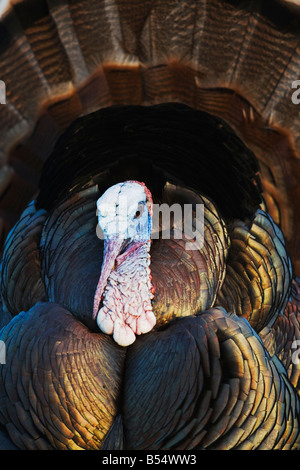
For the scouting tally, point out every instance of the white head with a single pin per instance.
(124, 211)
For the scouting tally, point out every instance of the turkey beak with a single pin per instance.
(112, 248)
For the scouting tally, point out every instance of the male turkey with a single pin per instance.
(159, 102)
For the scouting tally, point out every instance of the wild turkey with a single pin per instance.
(177, 103)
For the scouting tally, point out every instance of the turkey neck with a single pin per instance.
(127, 309)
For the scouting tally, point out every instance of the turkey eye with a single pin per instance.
(139, 211)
